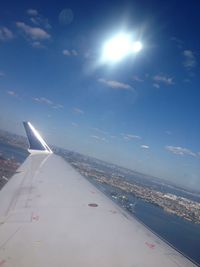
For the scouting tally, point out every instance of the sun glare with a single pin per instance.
(116, 48)
(137, 46)
(119, 47)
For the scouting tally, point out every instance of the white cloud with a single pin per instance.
(95, 137)
(145, 146)
(74, 124)
(180, 150)
(34, 21)
(66, 52)
(38, 19)
(137, 79)
(163, 79)
(99, 131)
(78, 111)
(156, 85)
(41, 21)
(178, 42)
(189, 59)
(98, 138)
(12, 93)
(6, 34)
(46, 101)
(72, 52)
(32, 12)
(131, 137)
(43, 100)
(37, 44)
(58, 106)
(115, 84)
(35, 33)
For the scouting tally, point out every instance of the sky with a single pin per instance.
(141, 112)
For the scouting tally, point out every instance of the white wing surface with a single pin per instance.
(51, 216)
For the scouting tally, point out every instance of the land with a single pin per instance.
(9, 162)
(13, 139)
(8, 167)
(115, 177)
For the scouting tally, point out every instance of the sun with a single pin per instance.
(119, 47)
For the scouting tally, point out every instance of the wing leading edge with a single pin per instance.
(51, 216)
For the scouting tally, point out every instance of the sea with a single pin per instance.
(180, 233)
(8, 151)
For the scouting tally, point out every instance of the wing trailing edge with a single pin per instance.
(36, 142)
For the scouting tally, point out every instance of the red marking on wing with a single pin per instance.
(93, 192)
(2, 262)
(113, 211)
(149, 245)
(35, 217)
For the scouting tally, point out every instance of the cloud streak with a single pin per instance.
(58, 106)
(43, 100)
(37, 44)
(180, 151)
(74, 124)
(163, 79)
(46, 101)
(99, 131)
(137, 79)
(130, 137)
(156, 85)
(78, 111)
(12, 93)
(37, 19)
(115, 84)
(98, 138)
(6, 34)
(69, 53)
(32, 12)
(189, 59)
(178, 42)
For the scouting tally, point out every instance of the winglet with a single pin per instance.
(36, 143)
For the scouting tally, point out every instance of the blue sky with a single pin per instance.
(142, 112)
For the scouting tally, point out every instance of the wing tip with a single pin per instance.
(36, 142)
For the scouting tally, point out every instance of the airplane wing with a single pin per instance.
(52, 216)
